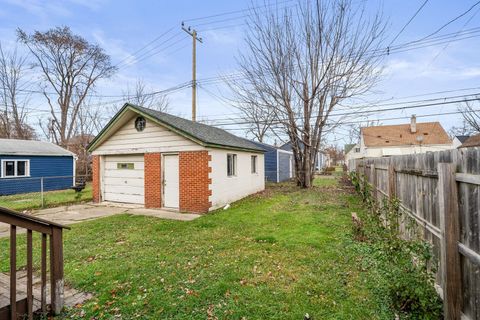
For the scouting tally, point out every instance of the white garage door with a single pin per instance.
(124, 179)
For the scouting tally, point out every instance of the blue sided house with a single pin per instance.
(30, 166)
(319, 161)
(278, 163)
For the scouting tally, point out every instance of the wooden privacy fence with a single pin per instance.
(18, 305)
(440, 192)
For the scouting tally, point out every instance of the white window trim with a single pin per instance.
(256, 164)
(27, 169)
(234, 164)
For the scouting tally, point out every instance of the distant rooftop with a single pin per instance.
(473, 141)
(348, 147)
(427, 133)
(462, 139)
(31, 148)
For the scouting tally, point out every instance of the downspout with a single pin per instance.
(278, 168)
(74, 158)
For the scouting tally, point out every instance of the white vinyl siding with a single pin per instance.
(124, 184)
(154, 138)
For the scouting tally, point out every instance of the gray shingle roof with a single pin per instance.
(264, 146)
(205, 133)
(462, 139)
(31, 147)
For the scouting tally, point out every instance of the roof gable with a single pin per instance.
(348, 147)
(199, 133)
(428, 133)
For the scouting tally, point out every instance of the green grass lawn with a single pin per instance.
(28, 201)
(275, 255)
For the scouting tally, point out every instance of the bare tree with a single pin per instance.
(335, 154)
(13, 118)
(354, 130)
(471, 117)
(302, 62)
(88, 125)
(462, 130)
(143, 96)
(71, 67)
(260, 120)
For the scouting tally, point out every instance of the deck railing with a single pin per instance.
(47, 229)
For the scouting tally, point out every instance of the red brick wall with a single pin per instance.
(194, 182)
(96, 178)
(153, 176)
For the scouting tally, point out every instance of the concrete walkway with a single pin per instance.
(67, 215)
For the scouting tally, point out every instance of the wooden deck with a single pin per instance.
(72, 296)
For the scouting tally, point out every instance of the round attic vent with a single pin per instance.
(140, 123)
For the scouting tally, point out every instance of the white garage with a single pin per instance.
(158, 160)
(123, 179)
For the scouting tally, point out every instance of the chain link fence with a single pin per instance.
(41, 192)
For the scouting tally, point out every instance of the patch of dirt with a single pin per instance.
(346, 184)
(268, 192)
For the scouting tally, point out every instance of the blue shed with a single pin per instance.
(319, 161)
(278, 163)
(30, 166)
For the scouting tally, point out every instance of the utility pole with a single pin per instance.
(193, 33)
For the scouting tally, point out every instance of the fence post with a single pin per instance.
(450, 256)
(392, 181)
(364, 174)
(41, 192)
(373, 181)
(56, 270)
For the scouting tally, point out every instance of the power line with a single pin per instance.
(408, 23)
(368, 111)
(448, 43)
(148, 44)
(238, 114)
(453, 20)
(237, 11)
(151, 52)
(413, 45)
(431, 100)
(376, 120)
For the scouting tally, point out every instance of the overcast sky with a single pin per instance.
(124, 27)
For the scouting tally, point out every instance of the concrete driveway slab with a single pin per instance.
(164, 214)
(67, 215)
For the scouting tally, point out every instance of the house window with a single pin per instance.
(357, 150)
(121, 165)
(231, 164)
(254, 164)
(15, 168)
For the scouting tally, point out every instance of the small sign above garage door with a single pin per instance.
(123, 179)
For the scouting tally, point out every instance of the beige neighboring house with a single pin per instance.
(385, 141)
(352, 152)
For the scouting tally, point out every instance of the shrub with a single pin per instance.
(407, 265)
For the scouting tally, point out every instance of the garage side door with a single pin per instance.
(124, 179)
